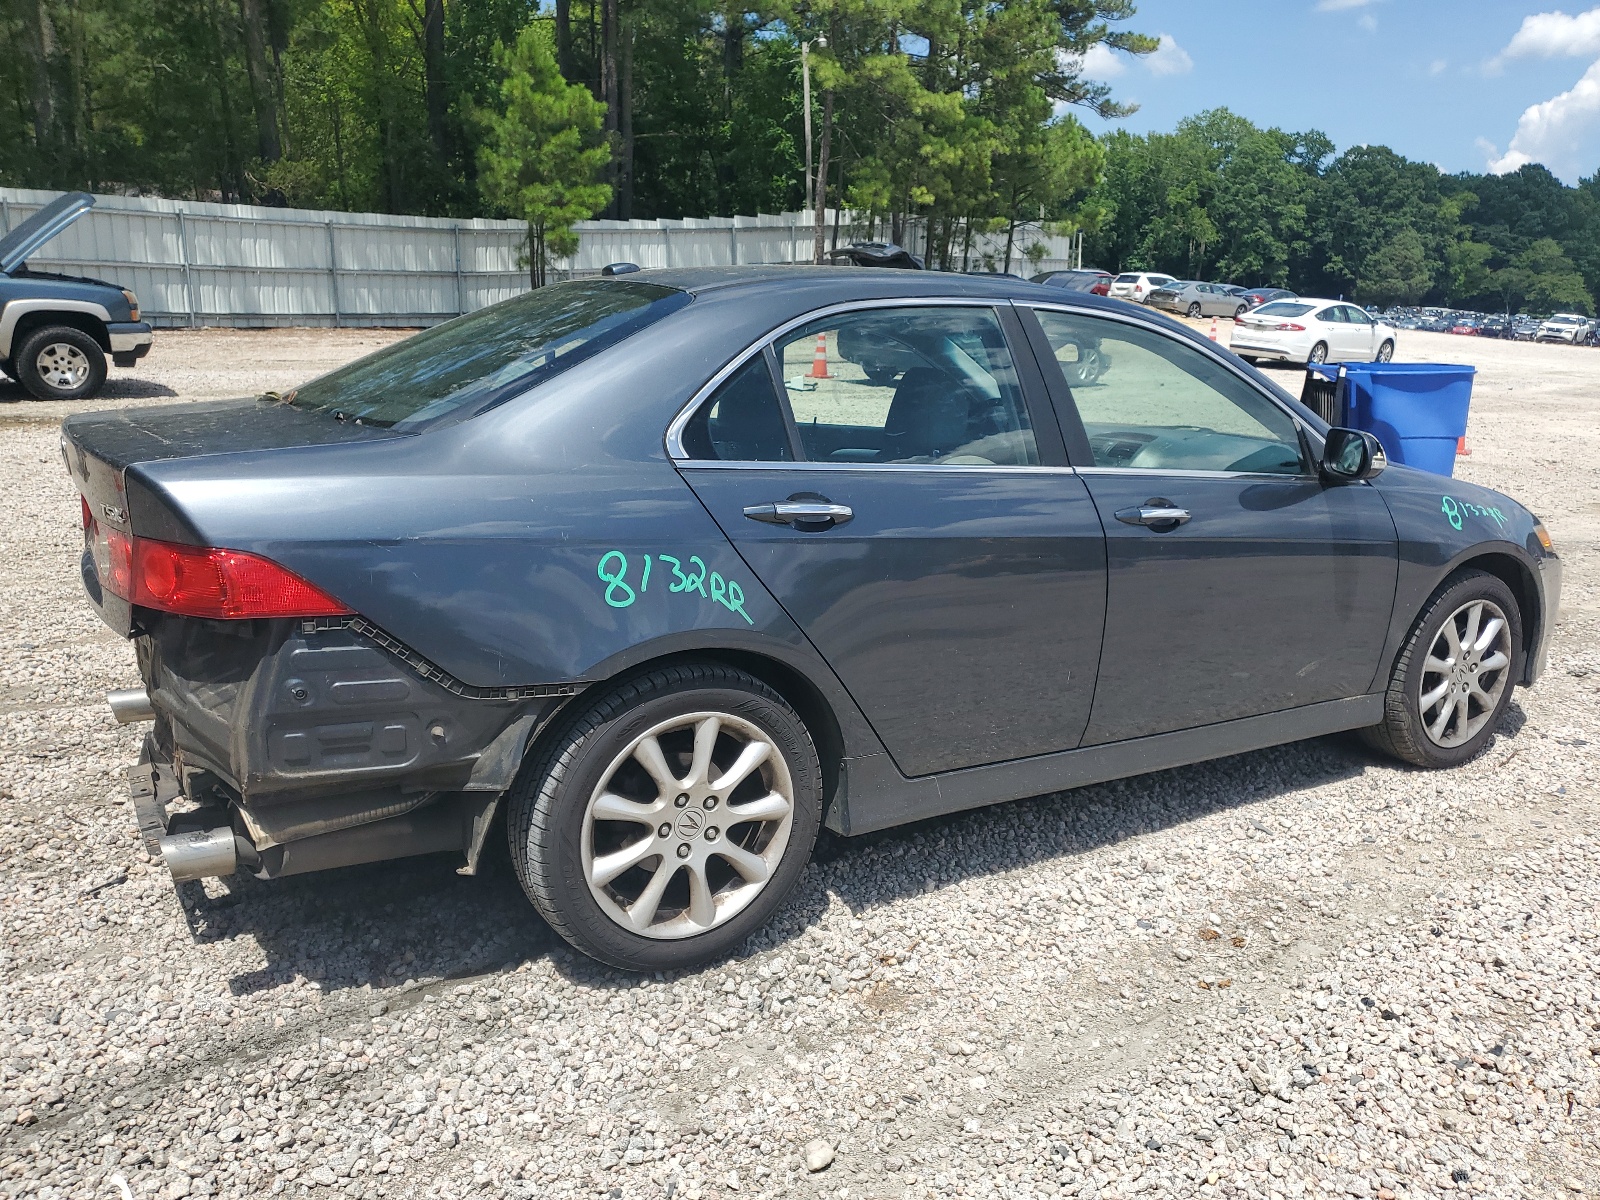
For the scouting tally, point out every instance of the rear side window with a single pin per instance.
(474, 362)
(1282, 308)
(742, 422)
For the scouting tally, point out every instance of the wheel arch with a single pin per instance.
(836, 727)
(1518, 576)
(19, 317)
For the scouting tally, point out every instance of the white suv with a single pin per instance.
(1565, 327)
(1137, 285)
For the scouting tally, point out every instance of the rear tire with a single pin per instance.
(59, 362)
(641, 777)
(1318, 355)
(1251, 359)
(1447, 694)
(1194, 312)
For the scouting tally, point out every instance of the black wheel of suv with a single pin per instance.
(664, 824)
(59, 362)
(1454, 677)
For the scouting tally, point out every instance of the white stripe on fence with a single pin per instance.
(194, 263)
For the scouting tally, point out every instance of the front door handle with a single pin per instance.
(1154, 514)
(800, 512)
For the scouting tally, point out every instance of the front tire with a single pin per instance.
(1386, 352)
(1454, 677)
(665, 823)
(59, 362)
(1240, 311)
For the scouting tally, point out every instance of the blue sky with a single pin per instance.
(1466, 84)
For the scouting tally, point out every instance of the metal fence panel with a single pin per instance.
(195, 263)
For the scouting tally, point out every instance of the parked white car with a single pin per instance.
(1137, 285)
(1564, 327)
(1312, 331)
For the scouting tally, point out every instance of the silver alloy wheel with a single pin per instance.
(1465, 674)
(687, 825)
(62, 366)
(1319, 354)
(1386, 352)
(1089, 367)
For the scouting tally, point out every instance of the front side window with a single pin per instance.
(1150, 402)
(930, 386)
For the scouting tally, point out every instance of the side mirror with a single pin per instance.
(1349, 456)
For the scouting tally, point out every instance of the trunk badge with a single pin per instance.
(117, 516)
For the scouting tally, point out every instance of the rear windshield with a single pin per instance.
(474, 362)
(1284, 308)
(1127, 278)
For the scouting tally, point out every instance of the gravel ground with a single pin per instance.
(1301, 972)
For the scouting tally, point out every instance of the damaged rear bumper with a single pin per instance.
(201, 842)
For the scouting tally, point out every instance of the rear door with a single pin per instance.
(1238, 584)
(884, 474)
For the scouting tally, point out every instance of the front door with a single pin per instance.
(1359, 348)
(1238, 582)
(919, 524)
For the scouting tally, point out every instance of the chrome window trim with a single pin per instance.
(1207, 349)
(674, 438)
(719, 464)
(1185, 473)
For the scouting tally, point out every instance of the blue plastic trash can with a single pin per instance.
(1417, 410)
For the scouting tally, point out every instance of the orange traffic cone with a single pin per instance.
(1213, 329)
(819, 360)
(1461, 447)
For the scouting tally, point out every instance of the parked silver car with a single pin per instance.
(1195, 299)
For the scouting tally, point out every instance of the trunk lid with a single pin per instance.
(104, 452)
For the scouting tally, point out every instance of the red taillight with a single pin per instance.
(84, 500)
(204, 581)
(1289, 327)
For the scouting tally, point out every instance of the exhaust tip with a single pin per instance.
(130, 706)
(200, 853)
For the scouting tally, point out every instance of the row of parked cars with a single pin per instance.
(1190, 297)
(1270, 324)
(1574, 329)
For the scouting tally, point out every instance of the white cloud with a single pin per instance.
(1340, 5)
(1550, 132)
(1368, 22)
(1438, 66)
(1556, 35)
(1105, 64)
(1169, 58)
(1102, 63)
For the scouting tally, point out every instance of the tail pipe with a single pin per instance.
(130, 706)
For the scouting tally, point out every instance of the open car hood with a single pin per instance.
(38, 229)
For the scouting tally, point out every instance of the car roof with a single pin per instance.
(842, 284)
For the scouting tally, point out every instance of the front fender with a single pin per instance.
(1444, 525)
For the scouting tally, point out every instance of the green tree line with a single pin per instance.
(957, 114)
(1222, 198)
(955, 111)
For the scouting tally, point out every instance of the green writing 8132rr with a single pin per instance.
(710, 585)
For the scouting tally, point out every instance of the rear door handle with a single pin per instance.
(800, 512)
(1155, 513)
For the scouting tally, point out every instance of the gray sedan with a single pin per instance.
(1195, 299)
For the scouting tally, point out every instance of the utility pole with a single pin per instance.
(805, 100)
